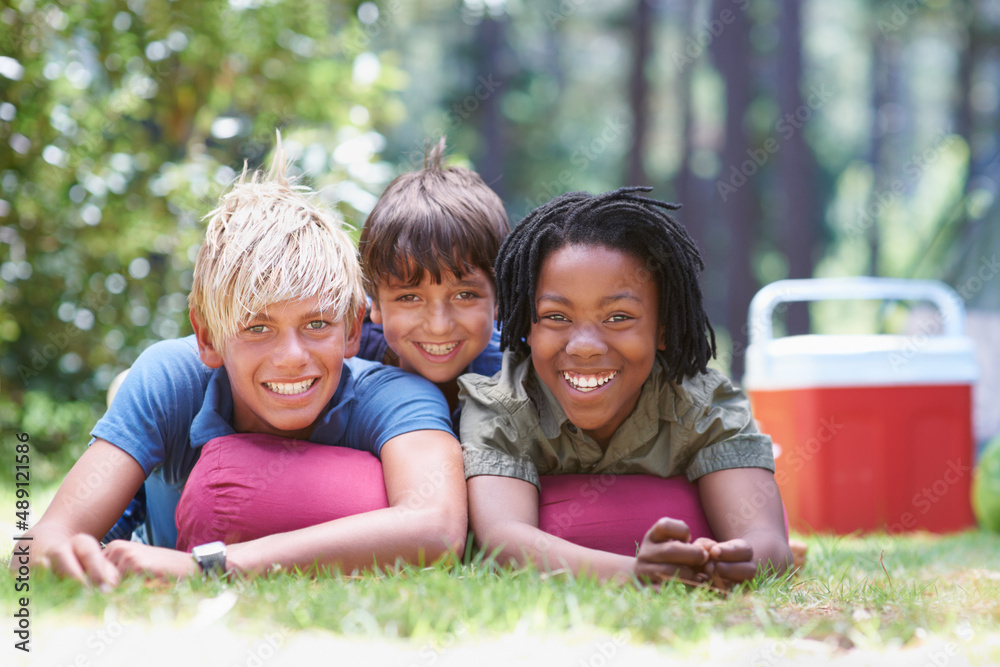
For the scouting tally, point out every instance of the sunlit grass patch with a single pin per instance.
(912, 593)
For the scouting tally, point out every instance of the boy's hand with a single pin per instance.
(667, 552)
(79, 557)
(730, 563)
(155, 562)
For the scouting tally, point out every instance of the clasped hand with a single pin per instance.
(667, 552)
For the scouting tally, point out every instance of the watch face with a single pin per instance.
(211, 557)
(210, 549)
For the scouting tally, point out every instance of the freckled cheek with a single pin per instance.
(487, 328)
(393, 328)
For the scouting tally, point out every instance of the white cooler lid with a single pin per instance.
(813, 361)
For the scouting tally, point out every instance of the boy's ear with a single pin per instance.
(353, 334)
(661, 338)
(376, 312)
(206, 350)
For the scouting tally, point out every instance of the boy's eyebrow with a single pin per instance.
(471, 282)
(464, 282)
(623, 296)
(267, 319)
(606, 301)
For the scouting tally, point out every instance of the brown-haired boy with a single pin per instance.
(427, 252)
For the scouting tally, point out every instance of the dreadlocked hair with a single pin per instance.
(621, 220)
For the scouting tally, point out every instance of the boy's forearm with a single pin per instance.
(358, 542)
(523, 544)
(770, 551)
(510, 526)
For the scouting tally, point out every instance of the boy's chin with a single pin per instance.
(587, 420)
(442, 378)
(437, 374)
(288, 426)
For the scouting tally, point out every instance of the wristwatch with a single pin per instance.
(211, 558)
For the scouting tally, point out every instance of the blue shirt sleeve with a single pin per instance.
(150, 417)
(389, 402)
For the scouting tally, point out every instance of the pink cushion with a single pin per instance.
(249, 485)
(613, 512)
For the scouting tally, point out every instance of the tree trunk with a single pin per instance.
(879, 128)
(490, 165)
(642, 27)
(738, 206)
(692, 192)
(796, 168)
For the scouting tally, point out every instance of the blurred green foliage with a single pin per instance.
(121, 121)
(125, 122)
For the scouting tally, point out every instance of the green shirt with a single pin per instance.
(512, 426)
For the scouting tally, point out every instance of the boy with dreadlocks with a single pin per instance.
(605, 372)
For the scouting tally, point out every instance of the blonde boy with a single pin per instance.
(276, 307)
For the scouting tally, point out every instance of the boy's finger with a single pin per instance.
(733, 551)
(669, 529)
(658, 574)
(65, 564)
(97, 568)
(736, 572)
(675, 553)
(705, 543)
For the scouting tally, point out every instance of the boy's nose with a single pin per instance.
(585, 341)
(290, 352)
(439, 320)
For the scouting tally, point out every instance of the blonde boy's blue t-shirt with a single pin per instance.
(513, 426)
(171, 404)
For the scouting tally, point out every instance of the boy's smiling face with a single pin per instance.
(597, 334)
(437, 329)
(284, 366)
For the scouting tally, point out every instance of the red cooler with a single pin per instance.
(871, 432)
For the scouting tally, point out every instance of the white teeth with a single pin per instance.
(438, 350)
(589, 382)
(290, 388)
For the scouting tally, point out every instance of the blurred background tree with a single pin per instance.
(804, 138)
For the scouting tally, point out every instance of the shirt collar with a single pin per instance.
(215, 418)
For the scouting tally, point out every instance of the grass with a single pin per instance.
(889, 595)
(843, 598)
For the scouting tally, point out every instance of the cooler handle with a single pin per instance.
(947, 300)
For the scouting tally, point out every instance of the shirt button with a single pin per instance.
(572, 428)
